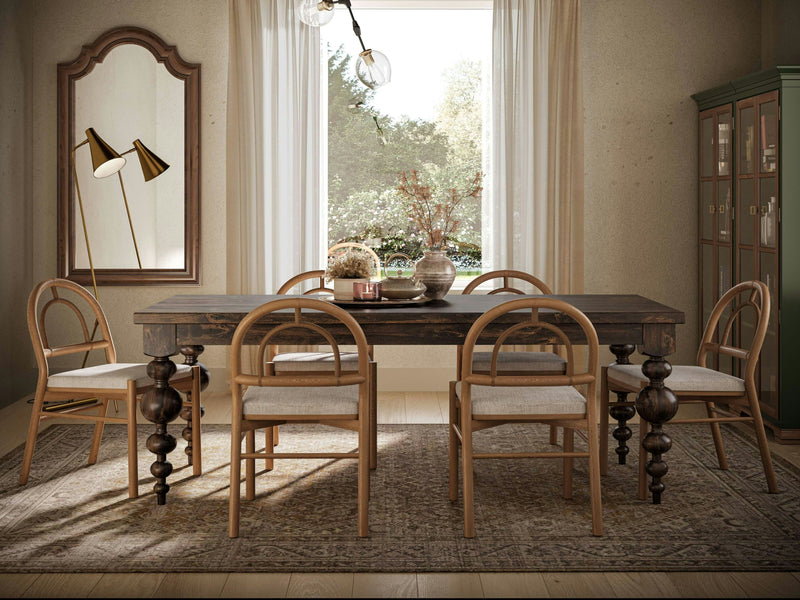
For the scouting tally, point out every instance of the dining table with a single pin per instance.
(185, 324)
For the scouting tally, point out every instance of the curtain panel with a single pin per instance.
(273, 146)
(535, 221)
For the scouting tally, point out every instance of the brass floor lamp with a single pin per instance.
(106, 162)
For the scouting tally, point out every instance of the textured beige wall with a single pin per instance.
(642, 60)
(199, 30)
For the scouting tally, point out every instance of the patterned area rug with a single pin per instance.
(73, 518)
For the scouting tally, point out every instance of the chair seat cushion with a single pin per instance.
(682, 379)
(532, 362)
(529, 400)
(291, 362)
(112, 376)
(330, 400)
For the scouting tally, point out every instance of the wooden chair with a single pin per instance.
(520, 363)
(110, 381)
(337, 398)
(703, 385)
(483, 400)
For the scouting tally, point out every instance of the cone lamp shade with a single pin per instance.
(152, 165)
(105, 160)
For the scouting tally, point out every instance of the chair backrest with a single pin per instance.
(37, 314)
(548, 330)
(264, 374)
(506, 275)
(320, 288)
(717, 338)
(342, 248)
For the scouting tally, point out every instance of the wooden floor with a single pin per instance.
(394, 408)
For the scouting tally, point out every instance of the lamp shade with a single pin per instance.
(373, 69)
(105, 160)
(314, 13)
(152, 165)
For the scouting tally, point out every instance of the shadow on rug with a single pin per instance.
(73, 518)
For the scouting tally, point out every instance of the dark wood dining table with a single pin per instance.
(187, 323)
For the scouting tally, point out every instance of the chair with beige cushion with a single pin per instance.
(748, 304)
(264, 399)
(511, 362)
(483, 400)
(110, 381)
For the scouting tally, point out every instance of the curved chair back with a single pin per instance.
(506, 275)
(320, 288)
(36, 323)
(547, 330)
(717, 338)
(264, 373)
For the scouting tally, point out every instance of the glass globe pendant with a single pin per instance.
(314, 13)
(373, 69)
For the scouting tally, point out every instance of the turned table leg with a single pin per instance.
(192, 442)
(656, 404)
(620, 411)
(161, 404)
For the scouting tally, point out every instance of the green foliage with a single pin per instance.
(363, 174)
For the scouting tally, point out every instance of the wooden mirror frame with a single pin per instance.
(68, 74)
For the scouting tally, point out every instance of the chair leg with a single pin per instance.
(716, 434)
(33, 429)
(133, 446)
(467, 475)
(364, 459)
(250, 464)
(553, 435)
(453, 444)
(594, 479)
(644, 427)
(763, 444)
(197, 455)
(569, 446)
(373, 414)
(270, 447)
(94, 451)
(236, 475)
(603, 438)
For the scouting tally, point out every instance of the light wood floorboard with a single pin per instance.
(127, 585)
(577, 585)
(768, 585)
(450, 585)
(320, 585)
(707, 585)
(13, 585)
(514, 585)
(385, 585)
(191, 585)
(62, 585)
(256, 585)
(423, 407)
(642, 585)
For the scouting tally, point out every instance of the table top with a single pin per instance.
(600, 308)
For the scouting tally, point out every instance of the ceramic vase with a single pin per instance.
(343, 288)
(437, 272)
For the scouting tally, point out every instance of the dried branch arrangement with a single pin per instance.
(350, 265)
(436, 219)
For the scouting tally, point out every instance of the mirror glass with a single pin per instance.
(142, 99)
(129, 86)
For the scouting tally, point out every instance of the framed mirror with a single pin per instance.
(137, 225)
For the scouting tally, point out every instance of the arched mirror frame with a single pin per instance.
(68, 74)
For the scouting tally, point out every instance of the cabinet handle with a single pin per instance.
(721, 208)
(753, 209)
(712, 209)
(764, 209)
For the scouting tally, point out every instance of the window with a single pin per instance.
(432, 118)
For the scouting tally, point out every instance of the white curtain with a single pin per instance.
(273, 146)
(535, 222)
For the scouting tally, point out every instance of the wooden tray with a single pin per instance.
(382, 303)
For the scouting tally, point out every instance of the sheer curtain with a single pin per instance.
(273, 146)
(535, 222)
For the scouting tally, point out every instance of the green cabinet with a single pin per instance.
(749, 221)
